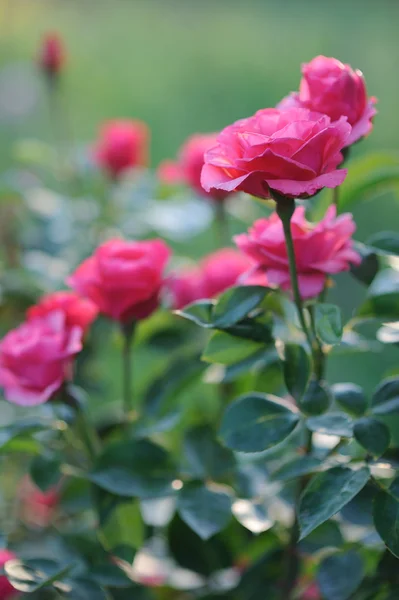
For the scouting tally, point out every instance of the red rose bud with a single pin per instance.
(52, 54)
(7, 591)
(187, 169)
(123, 278)
(122, 145)
(331, 87)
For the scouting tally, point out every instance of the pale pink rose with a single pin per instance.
(123, 278)
(294, 152)
(321, 249)
(78, 311)
(37, 508)
(187, 169)
(122, 144)
(36, 358)
(331, 87)
(7, 591)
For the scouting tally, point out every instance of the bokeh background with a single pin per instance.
(196, 65)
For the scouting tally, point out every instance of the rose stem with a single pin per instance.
(222, 225)
(128, 330)
(335, 193)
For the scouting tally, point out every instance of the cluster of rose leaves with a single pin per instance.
(293, 151)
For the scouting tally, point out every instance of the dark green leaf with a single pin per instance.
(328, 323)
(385, 400)
(385, 241)
(373, 435)
(327, 493)
(317, 398)
(227, 349)
(334, 423)
(124, 527)
(257, 362)
(45, 471)
(30, 576)
(302, 465)
(86, 589)
(199, 312)
(386, 516)
(255, 422)
(382, 296)
(326, 535)
(205, 456)
(257, 330)
(369, 266)
(205, 510)
(340, 575)
(297, 369)
(235, 304)
(351, 398)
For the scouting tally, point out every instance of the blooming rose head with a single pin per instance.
(294, 152)
(189, 166)
(36, 358)
(7, 591)
(52, 54)
(184, 287)
(78, 311)
(123, 278)
(331, 87)
(122, 145)
(37, 507)
(321, 249)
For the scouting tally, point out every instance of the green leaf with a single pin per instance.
(253, 515)
(199, 312)
(385, 400)
(302, 465)
(326, 535)
(83, 588)
(124, 527)
(386, 516)
(227, 349)
(206, 457)
(257, 330)
(327, 493)
(204, 509)
(110, 575)
(334, 423)
(255, 422)
(351, 398)
(385, 241)
(45, 471)
(317, 398)
(236, 303)
(328, 323)
(297, 368)
(134, 469)
(382, 296)
(340, 575)
(373, 435)
(369, 266)
(33, 575)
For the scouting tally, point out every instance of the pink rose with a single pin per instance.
(52, 54)
(331, 87)
(189, 166)
(36, 358)
(312, 592)
(294, 152)
(78, 311)
(37, 507)
(7, 591)
(122, 145)
(216, 273)
(321, 249)
(123, 278)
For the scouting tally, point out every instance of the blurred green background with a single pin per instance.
(196, 65)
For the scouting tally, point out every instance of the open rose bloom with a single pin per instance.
(295, 152)
(123, 278)
(122, 144)
(321, 249)
(187, 169)
(78, 311)
(36, 358)
(331, 87)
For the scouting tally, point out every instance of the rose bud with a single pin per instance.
(123, 278)
(7, 591)
(37, 507)
(78, 311)
(52, 55)
(294, 152)
(122, 145)
(321, 249)
(331, 87)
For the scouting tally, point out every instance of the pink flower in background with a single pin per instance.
(7, 591)
(123, 278)
(52, 54)
(216, 273)
(123, 144)
(331, 87)
(295, 152)
(78, 311)
(189, 166)
(36, 358)
(37, 508)
(321, 249)
(312, 592)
